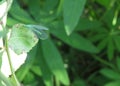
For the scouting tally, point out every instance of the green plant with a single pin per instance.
(82, 47)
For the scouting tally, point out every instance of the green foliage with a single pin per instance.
(72, 11)
(54, 61)
(82, 48)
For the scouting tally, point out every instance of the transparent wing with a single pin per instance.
(40, 31)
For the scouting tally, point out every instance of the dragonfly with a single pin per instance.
(39, 30)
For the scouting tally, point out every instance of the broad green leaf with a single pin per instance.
(111, 74)
(114, 83)
(54, 61)
(23, 70)
(74, 40)
(18, 13)
(72, 12)
(11, 21)
(22, 39)
(46, 73)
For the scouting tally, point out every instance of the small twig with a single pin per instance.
(5, 42)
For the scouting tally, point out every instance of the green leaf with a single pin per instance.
(72, 12)
(111, 74)
(110, 50)
(45, 10)
(18, 13)
(11, 21)
(102, 44)
(106, 3)
(79, 82)
(36, 69)
(54, 61)
(46, 73)
(114, 83)
(74, 40)
(86, 24)
(22, 39)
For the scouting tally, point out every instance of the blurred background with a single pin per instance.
(83, 44)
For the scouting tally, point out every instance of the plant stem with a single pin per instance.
(5, 42)
(10, 63)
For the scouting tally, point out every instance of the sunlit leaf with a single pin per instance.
(72, 12)
(54, 61)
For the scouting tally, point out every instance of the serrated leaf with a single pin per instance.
(22, 39)
(71, 17)
(54, 61)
